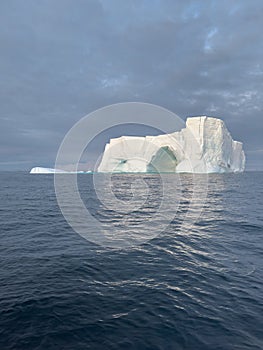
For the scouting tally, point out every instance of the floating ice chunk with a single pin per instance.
(40, 170)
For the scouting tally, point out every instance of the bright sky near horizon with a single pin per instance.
(60, 60)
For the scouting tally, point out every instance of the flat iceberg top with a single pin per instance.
(203, 146)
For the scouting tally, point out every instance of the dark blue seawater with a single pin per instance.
(197, 289)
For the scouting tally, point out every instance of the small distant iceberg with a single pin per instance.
(41, 170)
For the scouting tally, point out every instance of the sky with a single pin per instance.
(62, 59)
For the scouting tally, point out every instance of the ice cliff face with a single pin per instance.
(204, 146)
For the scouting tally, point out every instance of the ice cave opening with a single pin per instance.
(164, 161)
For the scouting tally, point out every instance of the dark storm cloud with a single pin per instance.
(62, 59)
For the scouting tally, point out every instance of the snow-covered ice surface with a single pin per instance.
(203, 146)
(41, 170)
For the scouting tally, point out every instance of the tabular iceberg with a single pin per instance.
(203, 146)
(41, 170)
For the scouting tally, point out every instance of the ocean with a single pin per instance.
(195, 286)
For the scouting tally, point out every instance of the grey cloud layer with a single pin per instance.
(62, 59)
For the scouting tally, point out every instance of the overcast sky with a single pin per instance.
(61, 59)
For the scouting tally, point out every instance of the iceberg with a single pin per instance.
(40, 170)
(203, 146)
